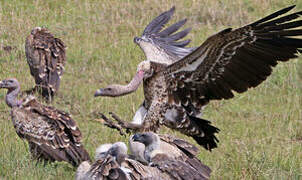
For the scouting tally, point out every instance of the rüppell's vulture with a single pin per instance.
(112, 162)
(46, 59)
(52, 134)
(173, 156)
(233, 60)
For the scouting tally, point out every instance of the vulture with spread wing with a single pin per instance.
(46, 59)
(233, 60)
(112, 162)
(52, 134)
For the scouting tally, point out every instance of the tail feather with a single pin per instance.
(72, 154)
(208, 140)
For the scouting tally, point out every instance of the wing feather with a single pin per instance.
(234, 60)
(46, 58)
(54, 132)
(168, 39)
(158, 23)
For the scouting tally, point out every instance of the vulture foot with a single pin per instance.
(109, 123)
(124, 124)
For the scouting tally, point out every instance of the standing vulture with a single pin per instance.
(233, 60)
(52, 134)
(46, 59)
(173, 156)
(112, 162)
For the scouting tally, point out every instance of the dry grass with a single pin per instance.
(261, 130)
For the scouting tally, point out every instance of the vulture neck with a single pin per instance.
(150, 149)
(11, 97)
(132, 86)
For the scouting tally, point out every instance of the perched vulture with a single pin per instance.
(46, 59)
(112, 162)
(233, 60)
(52, 134)
(175, 157)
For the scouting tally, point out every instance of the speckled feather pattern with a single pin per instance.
(52, 132)
(46, 58)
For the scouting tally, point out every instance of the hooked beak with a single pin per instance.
(98, 92)
(136, 137)
(1, 84)
(137, 40)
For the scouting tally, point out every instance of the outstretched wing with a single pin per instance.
(234, 60)
(54, 131)
(168, 39)
(46, 58)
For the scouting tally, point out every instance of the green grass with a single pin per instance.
(261, 130)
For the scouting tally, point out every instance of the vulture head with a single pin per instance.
(35, 30)
(118, 148)
(151, 142)
(147, 138)
(101, 151)
(112, 90)
(137, 150)
(82, 170)
(10, 84)
(115, 90)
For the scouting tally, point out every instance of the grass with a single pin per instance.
(261, 130)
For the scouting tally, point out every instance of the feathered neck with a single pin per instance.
(11, 97)
(154, 146)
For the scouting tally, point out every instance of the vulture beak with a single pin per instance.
(136, 137)
(1, 84)
(137, 39)
(98, 92)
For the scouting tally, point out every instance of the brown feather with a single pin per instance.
(49, 133)
(46, 59)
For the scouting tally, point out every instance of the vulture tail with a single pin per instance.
(72, 154)
(207, 139)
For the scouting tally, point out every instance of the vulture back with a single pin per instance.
(52, 134)
(46, 59)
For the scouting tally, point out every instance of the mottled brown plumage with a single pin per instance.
(46, 59)
(231, 60)
(52, 134)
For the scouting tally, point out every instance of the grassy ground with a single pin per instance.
(261, 130)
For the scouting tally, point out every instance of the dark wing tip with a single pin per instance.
(273, 15)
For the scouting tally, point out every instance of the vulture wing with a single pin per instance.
(140, 171)
(177, 169)
(189, 149)
(46, 58)
(234, 60)
(168, 39)
(106, 168)
(52, 134)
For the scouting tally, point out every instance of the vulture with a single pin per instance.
(173, 156)
(52, 134)
(46, 59)
(179, 82)
(112, 162)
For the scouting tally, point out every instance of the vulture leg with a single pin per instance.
(124, 124)
(107, 122)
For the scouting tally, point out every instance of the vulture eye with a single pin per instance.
(109, 89)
